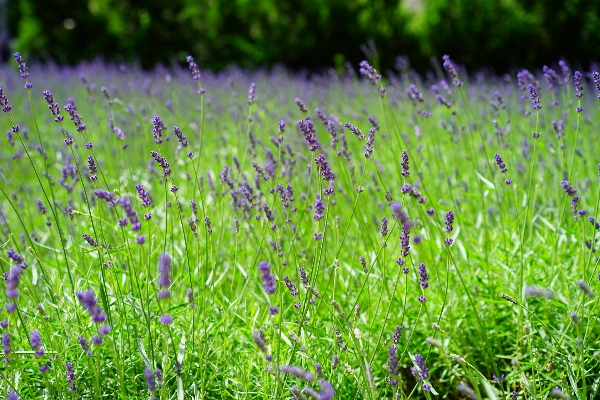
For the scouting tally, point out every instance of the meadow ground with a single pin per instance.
(177, 234)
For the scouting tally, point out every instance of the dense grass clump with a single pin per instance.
(262, 235)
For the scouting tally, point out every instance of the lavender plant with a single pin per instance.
(298, 256)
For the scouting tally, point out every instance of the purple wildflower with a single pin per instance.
(268, 279)
(17, 258)
(165, 319)
(420, 370)
(300, 105)
(251, 91)
(324, 168)
(164, 280)
(384, 226)
(36, 343)
(404, 164)
(260, 340)
(150, 381)
(319, 209)
(12, 284)
(106, 196)
(88, 300)
(578, 76)
(75, 117)
(70, 376)
(131, 214)
(414, 94)
(585, 288)
(423, 277)
(307, 128)
(326, 392)
(397, 334)
(6, 347)
(12, 395)
(193, 67)
(568, 188)
(534, 97)
(4, 101)
(596, 76)
(500, 163)
(182, 139)
(160, 160)
(144, 195)
(92, 168)
(84, 344)
(22, 66)
(393, 364)
(297, 372)
(559, 394)
(449, 67)
(467, 391)
(157, 129)
(449, 221)
(355, 130)
(369, 72)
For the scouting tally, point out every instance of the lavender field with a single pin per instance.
(181, 234)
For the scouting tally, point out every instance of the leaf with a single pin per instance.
(181, 352)
(143, 353)
(488, 183)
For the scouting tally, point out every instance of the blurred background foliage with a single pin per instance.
(312, 34)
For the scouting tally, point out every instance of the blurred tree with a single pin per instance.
(308, 33)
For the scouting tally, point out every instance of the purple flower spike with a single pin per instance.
(319, 209)
(297, 372)
(182, 139)
(4, 101)
(500, 163)
(88, 300)
(157, 129)
(369, 72)
(150, 381)
(467, 391)
(12, 284)
(70, 376)
(12, 396)
(164, 280)
(268, 279)
(6, 346)
(133, 218)
(393, 364)
(36, 343)
(420, 371)
(449, 67)
(449, 221)
(22, 66)
(534, 97)
(193, 67)
(404, 164)
(578, 76)
(144, 196)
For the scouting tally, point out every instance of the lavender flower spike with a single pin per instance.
(585, 288)
(22, 66)
(12, 283)
(449, 67)
(88, 300)
(70, 376)
(467, 391)
(164, 280)
(297, 372)
(534, 97)
(268, 279)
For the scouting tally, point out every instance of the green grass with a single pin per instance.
(481, 317)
